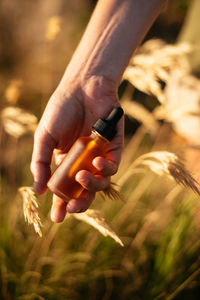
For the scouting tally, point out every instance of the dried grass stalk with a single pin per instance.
(53, 28)
(30, 208)
(167, 163)
(17, 121)
(92, 217)
(182, 105)
(153, 63)
(111, 192)
(95, 219)
(13, 91)
(144, 81)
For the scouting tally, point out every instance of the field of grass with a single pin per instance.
(158, 219)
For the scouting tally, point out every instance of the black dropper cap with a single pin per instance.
(106, 127)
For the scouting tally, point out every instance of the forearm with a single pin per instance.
(115, 30)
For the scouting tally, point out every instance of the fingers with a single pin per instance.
(90, 182)
(94, 183)
(58, 209)
(43, 148)
(80, 204)
(104, 166)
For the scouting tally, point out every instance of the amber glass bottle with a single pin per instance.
(80, 157)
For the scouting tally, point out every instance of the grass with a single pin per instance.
(158, 227)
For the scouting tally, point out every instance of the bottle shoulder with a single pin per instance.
(84, 140)
(94, 137)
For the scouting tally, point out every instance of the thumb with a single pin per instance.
(43, 147)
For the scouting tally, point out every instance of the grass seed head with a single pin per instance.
(167, 163)
(17, 121)
(53, 28)
(111, 192)
(95, 219)
(30, 208)
(153, 63)
(13, 91)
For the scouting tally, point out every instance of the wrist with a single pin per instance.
(95, 89)
(100, 93)
(113, 33)
(99, 87)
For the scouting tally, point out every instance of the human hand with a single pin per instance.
(70, 113)
(100, 60)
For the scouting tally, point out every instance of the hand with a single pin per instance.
(103, 52)
(72, 110)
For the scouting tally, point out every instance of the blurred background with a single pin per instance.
(158, 221)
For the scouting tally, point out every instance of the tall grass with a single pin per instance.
(158, 221)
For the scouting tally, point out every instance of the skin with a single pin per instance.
(87, 92)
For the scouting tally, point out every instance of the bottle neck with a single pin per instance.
(98, 137)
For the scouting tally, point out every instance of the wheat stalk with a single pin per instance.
(153, 63)
(30, 208)
(182, 108)
(13, 91)
(167, 163)
(53, 28)
(111, 192)
(17, 121)
(96, 220)
(92, 217)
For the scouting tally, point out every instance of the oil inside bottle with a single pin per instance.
(80, 157)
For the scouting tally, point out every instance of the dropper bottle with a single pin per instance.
(80, 156)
